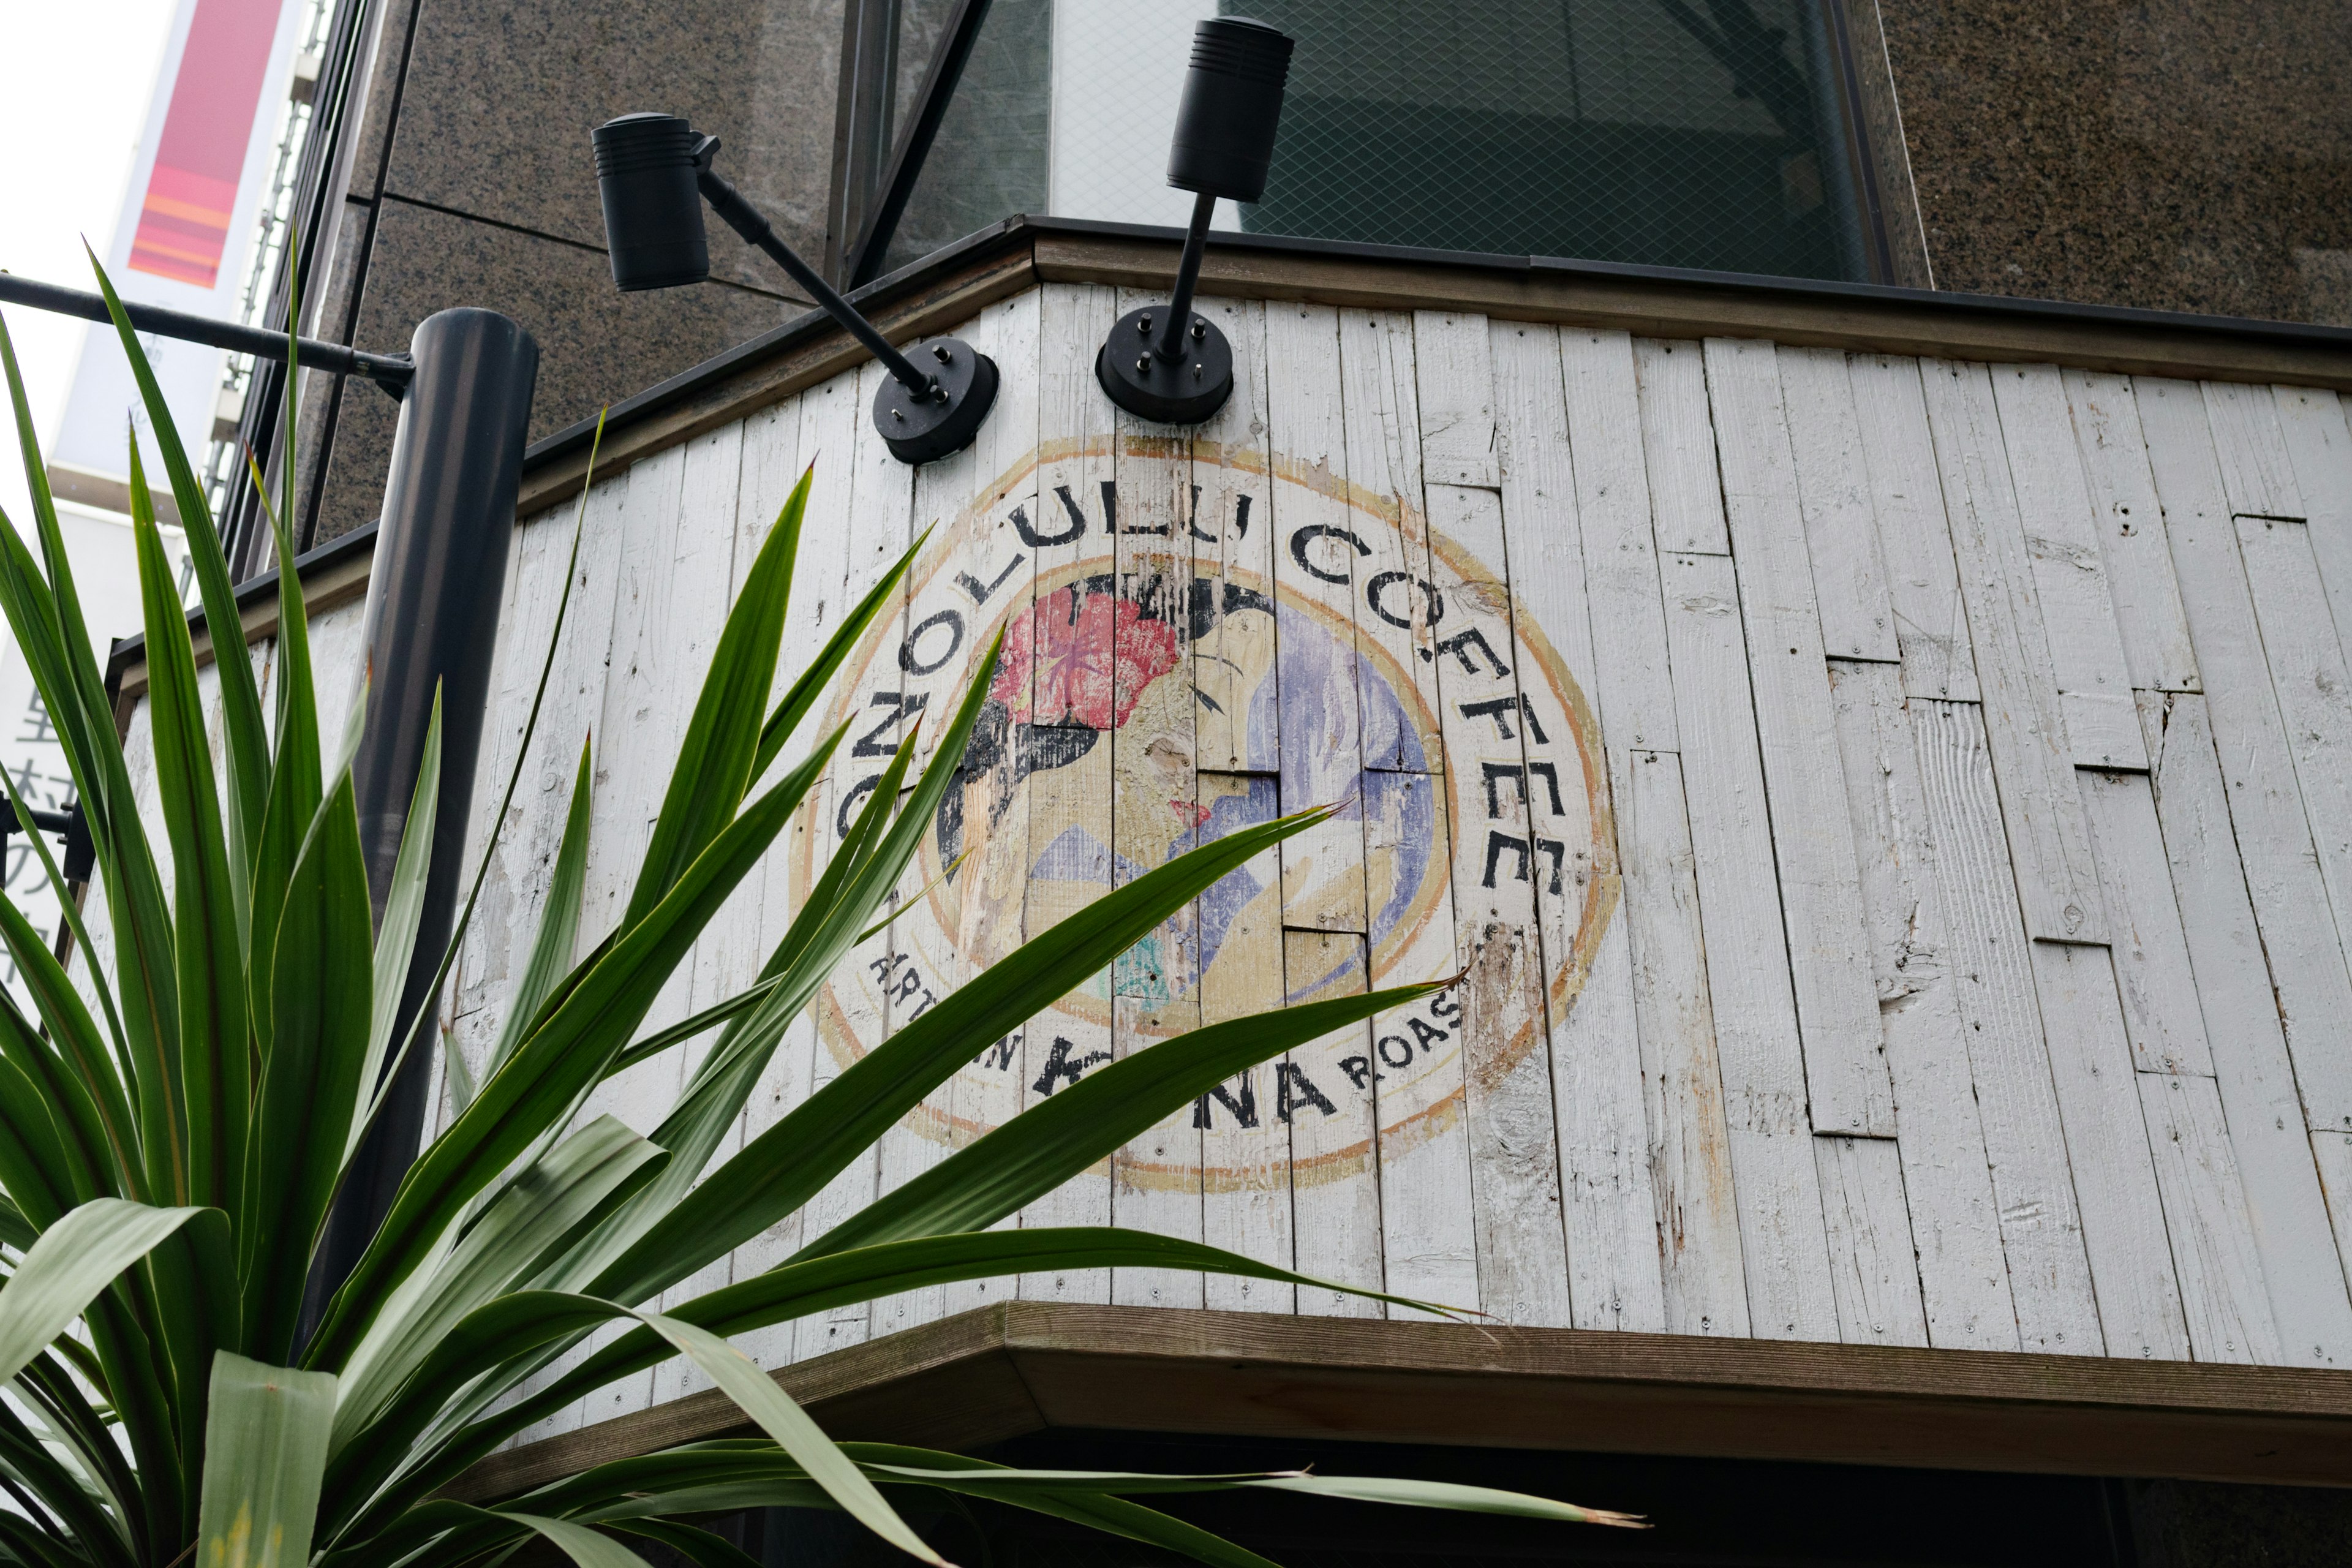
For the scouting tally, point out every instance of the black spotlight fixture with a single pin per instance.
(653, 173)
(1165, 363)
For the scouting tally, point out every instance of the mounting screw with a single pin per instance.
(1143, 325)
(1196, 370)
(1200, 329)
(896, 415)
(1143, 364)
(939, 351)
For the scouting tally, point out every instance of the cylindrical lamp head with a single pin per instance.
(653, 211)
(1231, 107)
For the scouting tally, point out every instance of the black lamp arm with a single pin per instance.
(1169, 343)
(745, 219)
(390, 372)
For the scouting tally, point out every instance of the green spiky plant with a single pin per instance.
(169, 1160)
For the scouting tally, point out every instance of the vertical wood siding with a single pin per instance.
(1889, 819)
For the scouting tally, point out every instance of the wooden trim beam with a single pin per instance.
(334, 574)
(1692, 306)
(1027, 1366)
(943, 289)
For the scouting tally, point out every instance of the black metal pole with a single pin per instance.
(745, 219)
(432, 621)
(1171, 345)
(390, 372)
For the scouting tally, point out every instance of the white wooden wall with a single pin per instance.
(1954, 953)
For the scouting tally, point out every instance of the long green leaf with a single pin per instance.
(714, 759)
(800, 1290)
(81, 1052)
(87, 1165)
(802, 698)
(538, 1088)
(765, 1402)
(1042, 1147)
(1114, 1515)
(123, 1331)
(74, 1260)
(263, 1464)
(788, 1164)
(311, 1080)
(64, 1464)
(698, 1547)
(586, 1547)
(245, 735)
(127, 1070)
(16, 1230)
(536, 1216)
(559, 920)
(46, 617)
(403, 907)
(216, 1054)
(1449, 1495)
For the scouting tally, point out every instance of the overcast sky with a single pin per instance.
(75, 79)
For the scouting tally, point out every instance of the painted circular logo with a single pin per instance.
(1198, 639)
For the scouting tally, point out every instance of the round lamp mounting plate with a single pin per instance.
(1186, 390)
(923, 428)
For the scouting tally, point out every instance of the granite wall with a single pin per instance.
(2176, 154)
(471, 182)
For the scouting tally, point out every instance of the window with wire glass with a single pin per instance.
(1695, 133)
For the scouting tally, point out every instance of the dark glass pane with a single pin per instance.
(989, 160)
(1652, 131)
(1701, 133)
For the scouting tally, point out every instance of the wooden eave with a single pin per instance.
(1019, 1367)
(952, 284)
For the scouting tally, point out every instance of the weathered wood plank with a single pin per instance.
(2314, 687)
(867, 508)
(1458, 401)
(1428, 1212)
(2252, 1063)
(989, 1093)
(572, 712)
(1393, 605)
(1315, 565)
(1857, 617)
(2130, 526)
(2062, 541)
(724, 956)
(1070, 812)
(2257, 472)
(1678, 447)
(1810, 828)
(1931, 626)
(1698, 1224)
(2265, 812)
(1784, 1247)
(1245, 1198)
(1876, 1274)
(2312, 422)
(2221, 1286)
(1612, 1223)
(1631, 678)
(2107, 1146)
(1948, 1183)
(2159, 992)
(2041, 1225)
(1334, 1158)
(1509, 1154)
(1155, 1177)
(771, 467)
(2050, 846)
